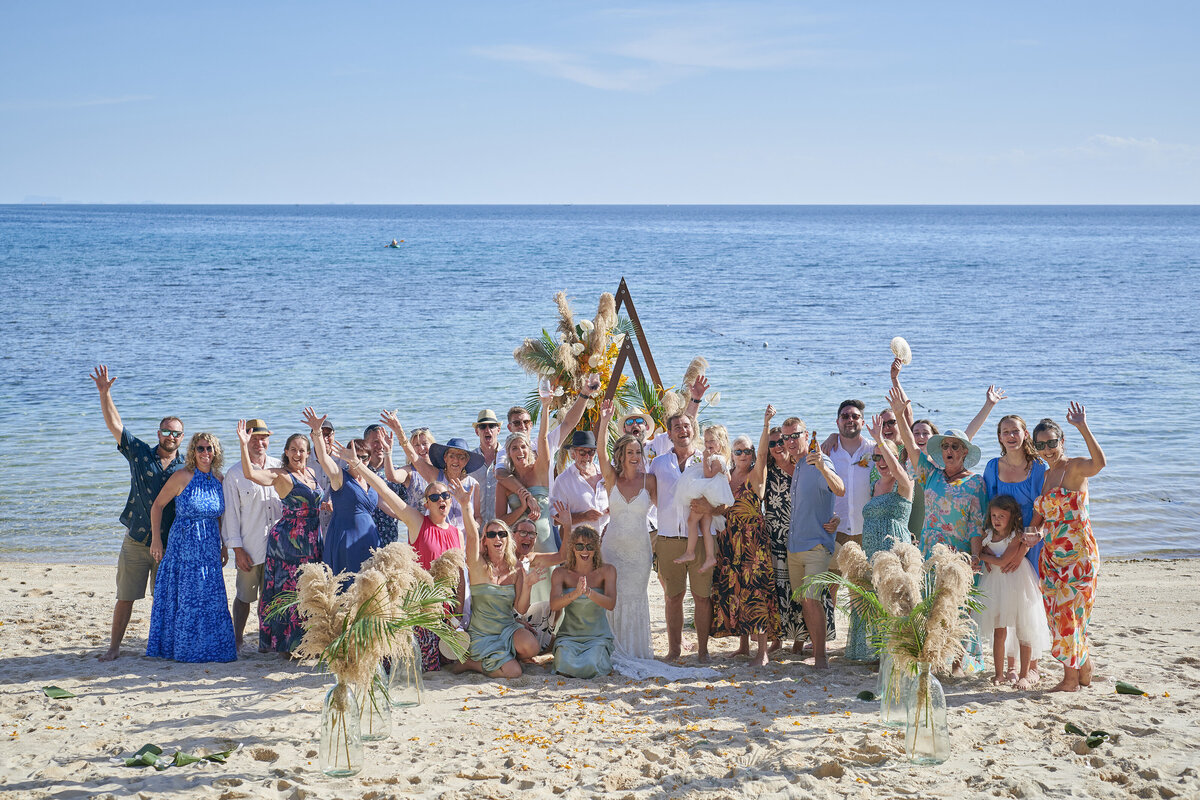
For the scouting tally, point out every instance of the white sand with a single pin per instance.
(784, 731)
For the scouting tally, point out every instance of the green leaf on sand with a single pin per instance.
(148, 748)
(182, 758)
(148, 756)
(1097, 738)
(867, 695)
(55, 693)
(1128, 688)
(1071, 727)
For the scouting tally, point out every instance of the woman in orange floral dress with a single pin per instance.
(1070, 557)
(743, 591)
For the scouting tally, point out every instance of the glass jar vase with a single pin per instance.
(405, 684)
(341, 750)
(927, 735)
(377, 709)
(893, 692)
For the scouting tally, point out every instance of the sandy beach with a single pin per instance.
(785, 731)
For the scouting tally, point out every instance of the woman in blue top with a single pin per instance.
(1018, 473)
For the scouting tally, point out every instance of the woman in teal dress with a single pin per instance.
(523, 491)
(584, 590)
(499, 642)
(885, 522)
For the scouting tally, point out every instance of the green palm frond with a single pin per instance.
(625, 327)
(536, 355)
(281, 604)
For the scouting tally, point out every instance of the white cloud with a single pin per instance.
(657, 46)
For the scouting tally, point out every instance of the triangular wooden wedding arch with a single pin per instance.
(627, 352)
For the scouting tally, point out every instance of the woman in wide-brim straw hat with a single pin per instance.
(955, 497)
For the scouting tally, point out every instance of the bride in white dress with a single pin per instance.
(626, 545)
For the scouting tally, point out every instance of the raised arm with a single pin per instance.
(171, 489)
(423, 467)
(994, 395)
(908, 412)
(1085, 467)
(263, 477)
(323, 457)
(758, 475)
(904, 484)
(575, 413)
(606, 467)
(111, 418)
(392, 504)
(470, 532)
(698, 390)
(542, 465)
(896, 400)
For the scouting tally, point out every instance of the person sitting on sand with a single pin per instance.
(149, 469)
(584, 590)
(499, 586)
(539, 618)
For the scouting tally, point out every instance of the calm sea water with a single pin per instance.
(215, 313)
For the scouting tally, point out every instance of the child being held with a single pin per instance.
(1013, 600)
(708, 479)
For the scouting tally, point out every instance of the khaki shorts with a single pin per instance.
(135, 568)
(249, 584)
(806, 564)
(675, 577)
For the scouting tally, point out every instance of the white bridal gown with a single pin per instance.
(626, 546)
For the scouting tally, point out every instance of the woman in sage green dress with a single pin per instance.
(499, 586)
(524, 492)
(885, 522)
(585, 590)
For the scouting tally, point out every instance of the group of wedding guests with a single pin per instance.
(559, 555)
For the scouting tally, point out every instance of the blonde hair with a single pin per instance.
(218, 453)
(721, 434)
(589, 533)
(618, 452)
(513, 439)
(510, 546)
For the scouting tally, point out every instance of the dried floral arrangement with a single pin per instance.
(350, 629)
(918, 611)
(589, 347)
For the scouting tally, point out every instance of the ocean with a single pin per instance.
(212, 313)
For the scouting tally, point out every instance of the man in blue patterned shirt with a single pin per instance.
(149, 468)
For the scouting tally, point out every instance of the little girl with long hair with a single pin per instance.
(708, 479)
(1013, 600)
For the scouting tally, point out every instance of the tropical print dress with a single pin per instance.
(1068, 569)
(743, 590)
(293, 541)
(778, 516)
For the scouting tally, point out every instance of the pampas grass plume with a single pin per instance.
(566, 319)
(901, 350)
(606, 318)
(852, 563)
(695, 369)
(448, 567)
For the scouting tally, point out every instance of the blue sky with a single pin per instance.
(586, 102)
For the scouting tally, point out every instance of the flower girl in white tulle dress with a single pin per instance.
(709, 479)
(1013, 600)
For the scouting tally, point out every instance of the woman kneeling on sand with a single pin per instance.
(499, 586)
(587, 589)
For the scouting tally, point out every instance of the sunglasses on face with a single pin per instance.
(791, 437)
(585, 451)
(889, 423)
(582, 546)
(635, 421)
(876, 457)
(172, 434)
(496, 535)
(438, 496)
(1049, 444)
(952, 446)
(850, 416)
(523, 532)
(743, 451)
(205, 448)
(774, 442)
(522, 423)
(488, 426)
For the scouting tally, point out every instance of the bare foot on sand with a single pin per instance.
(776, 644)
(111, 654)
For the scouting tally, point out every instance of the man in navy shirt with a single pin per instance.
(149, 468)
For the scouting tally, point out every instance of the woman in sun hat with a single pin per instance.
(955, 498)
(444, 462)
